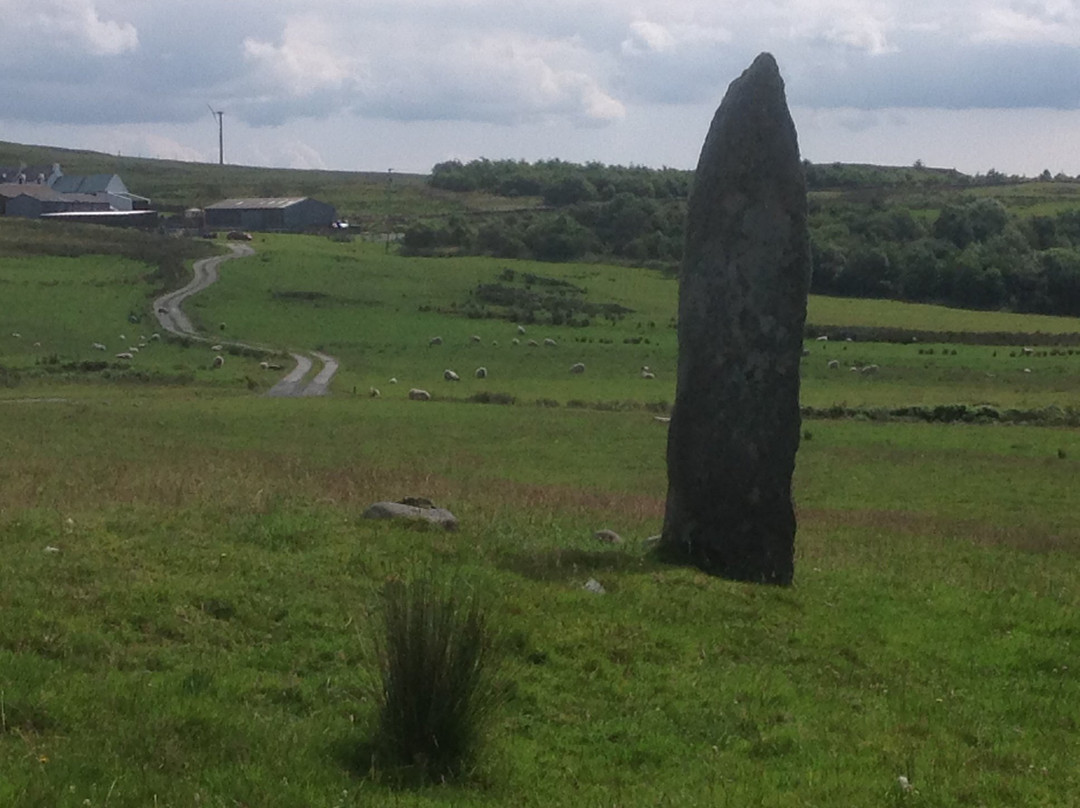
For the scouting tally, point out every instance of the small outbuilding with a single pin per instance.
(282, 213)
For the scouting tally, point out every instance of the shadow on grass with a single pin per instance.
(560, 564)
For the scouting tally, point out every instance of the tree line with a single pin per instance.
(915, 234)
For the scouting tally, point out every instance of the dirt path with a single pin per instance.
(172, 319)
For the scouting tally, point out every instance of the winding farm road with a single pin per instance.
(172, 319)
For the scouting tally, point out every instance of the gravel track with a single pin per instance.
(172, 319)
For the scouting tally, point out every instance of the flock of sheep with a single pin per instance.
(481, 372)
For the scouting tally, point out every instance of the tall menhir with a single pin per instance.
(742, 305)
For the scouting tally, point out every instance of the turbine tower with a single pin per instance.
(220, 133)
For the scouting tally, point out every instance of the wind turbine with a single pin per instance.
(220, 133)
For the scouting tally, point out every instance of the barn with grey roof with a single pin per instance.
(278, 213)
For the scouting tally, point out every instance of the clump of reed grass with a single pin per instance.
(435, 658)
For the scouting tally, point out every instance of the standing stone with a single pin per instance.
(742, 306)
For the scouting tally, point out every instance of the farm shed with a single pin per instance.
(284, 213)
(105, 187)
(32, 200)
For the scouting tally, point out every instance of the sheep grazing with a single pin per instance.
(37, 344)
(416, 394)
(1027, 351)
(515, 341)
(834, 364)
(264, 365)
(494, 343)
(374, 392)
(133, 348)
(155, 337)
(550, 342)
(521, 329)
(215, 348)
(533, 343)
(97, 346)
(481, 373)
(273, 366)
(868, 369)
(16, 335)
(124, 355)
(219, 360)
(577, 367)
(475, 338)
(647, 374)
(393, 380)
(450, 376)
(434, 341)
(823, 338)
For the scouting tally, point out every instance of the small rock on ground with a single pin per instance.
(607, 536)
(398, 510)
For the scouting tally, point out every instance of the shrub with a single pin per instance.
(435, 660)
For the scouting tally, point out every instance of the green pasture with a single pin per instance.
(202, 631)
(190, 593)
(377, 312)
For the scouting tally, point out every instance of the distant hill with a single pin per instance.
(174, 185)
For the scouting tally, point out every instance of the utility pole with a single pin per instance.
(389, 202)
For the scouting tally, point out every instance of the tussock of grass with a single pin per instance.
(435, 658)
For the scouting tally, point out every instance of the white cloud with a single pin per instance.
(68, 23)
(309, 57)
(1054, 22)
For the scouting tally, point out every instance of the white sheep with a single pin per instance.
(97, 346)
(219, 360)
(550, 342)
(577, 367)
(823, 338)
(533, 343)
(133, 348)
(215, 348)
(374, 392)
(264, 365)
(869, 369)
(393, 380)
(416, 394)
(647, 374)
(481, 373)
(475, 338)
(434, 341)
(450, 376)
(273, 366)
(16, 335)
(155, 337)
(515, 341)
(124, 355)
(521, 329)
(834, 364)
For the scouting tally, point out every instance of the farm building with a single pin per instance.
(284, 213)
(106, 187)
(33, 191)
(32, 200)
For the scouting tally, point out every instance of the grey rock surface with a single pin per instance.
(398, 510)
(735, 425)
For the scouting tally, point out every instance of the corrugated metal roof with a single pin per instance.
(269, 203)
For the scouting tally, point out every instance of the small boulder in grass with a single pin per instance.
(401, 510)
(608, 536)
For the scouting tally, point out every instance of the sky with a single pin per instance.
(375, 85)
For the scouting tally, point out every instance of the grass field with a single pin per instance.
(189, 592)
